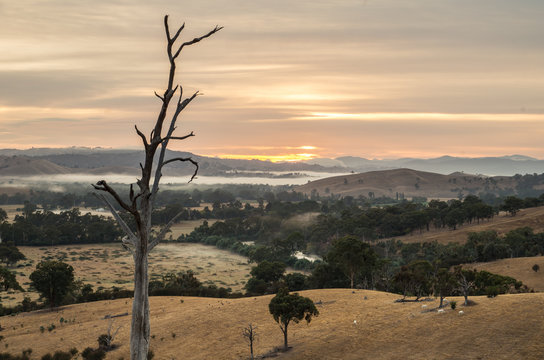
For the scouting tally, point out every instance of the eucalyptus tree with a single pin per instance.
(140, 200)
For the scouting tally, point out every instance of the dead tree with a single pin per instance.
(140, 203)
(250, 334)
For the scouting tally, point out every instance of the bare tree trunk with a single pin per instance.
(140, 204)
(139, 332)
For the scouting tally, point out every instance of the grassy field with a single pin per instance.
(108, 265)
(186, 226)
(533, 217)
(505, 327)
(518, 268)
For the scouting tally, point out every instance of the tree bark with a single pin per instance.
(285, 345)
(139, 332)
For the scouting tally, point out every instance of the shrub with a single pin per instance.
(93, 354)
(104, 341)
(453, 305)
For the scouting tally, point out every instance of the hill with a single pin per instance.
(506, 327)
(518, 268)
(410, 183)
(101, 161)
(82, 158)
(503, 223)
(503, 165)
(25, 165)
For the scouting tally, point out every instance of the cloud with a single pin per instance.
(350, 76)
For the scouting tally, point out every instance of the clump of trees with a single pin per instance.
(422, 278)
(68, 227)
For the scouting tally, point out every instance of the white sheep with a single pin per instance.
(461, 312)
(440, 311)
(354, 322)
(423, 306)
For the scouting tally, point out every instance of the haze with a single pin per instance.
(284, 80)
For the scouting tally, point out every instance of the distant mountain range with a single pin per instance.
(489, 166)
(37, 161)
(102, 161)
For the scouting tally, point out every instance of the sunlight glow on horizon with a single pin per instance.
(271, 158)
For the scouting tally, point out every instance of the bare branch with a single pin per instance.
(180, 106)
(183, 160)
(166, 28)
(177, 137)
(130, 238)
(160, 97)
(142, 136)
(197, 39)
(163, 231)
(103, 186)
(178, 32)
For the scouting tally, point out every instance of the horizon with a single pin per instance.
(271, 159)
(282, 81)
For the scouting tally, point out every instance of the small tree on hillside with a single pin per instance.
(53, 279)
(250, 334)
(465, 281)
(444, 284)
(286, 307)
(140, 201)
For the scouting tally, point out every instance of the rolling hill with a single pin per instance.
(410, 183)
(518, 268)
(503, 223)
(360, 324)
(25, 165)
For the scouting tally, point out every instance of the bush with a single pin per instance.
(453, 305)
(93, 354)
(104, 341)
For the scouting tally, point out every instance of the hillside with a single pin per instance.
(503, 223)
(24, 165)
(518, 268)
(101, 161)
(410, 183)
(506, 327)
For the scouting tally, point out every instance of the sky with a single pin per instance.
(284, 80)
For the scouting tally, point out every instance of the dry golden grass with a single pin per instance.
(11, 211)
(533, 218)
(518, 268)
(506, 327)
(108, 265)
(186, 227)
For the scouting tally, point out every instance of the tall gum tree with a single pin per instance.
(140, 203)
